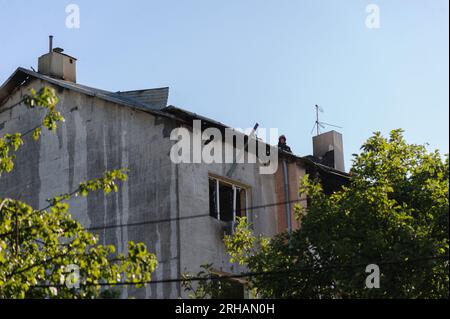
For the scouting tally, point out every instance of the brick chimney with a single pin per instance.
(57, 64)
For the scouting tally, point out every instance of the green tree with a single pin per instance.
(208, 284)
(394, 213)
(44, 253)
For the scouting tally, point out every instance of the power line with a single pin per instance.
(148, 222)
(167, 220)
(12, 106)
(37, 126)
(143, 222)
(251, 274)
(215, 277)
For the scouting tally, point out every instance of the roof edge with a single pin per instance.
(22, 74)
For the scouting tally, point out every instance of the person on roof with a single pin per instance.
(282, 144)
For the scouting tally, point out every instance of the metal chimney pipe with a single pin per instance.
(50, 44)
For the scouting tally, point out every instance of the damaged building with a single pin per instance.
(180, 211)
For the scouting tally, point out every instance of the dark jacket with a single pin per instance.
(284, 147)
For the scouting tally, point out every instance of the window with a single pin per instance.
(228, 289)
(226, 200)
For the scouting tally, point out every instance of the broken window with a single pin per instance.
(228, 289)
(226, 200)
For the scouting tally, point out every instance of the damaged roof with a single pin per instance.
(148, 100)
(153, 101)
(188, 116)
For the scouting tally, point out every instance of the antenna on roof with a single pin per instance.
(318, 124)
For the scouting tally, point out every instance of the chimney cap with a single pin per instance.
(58, 50)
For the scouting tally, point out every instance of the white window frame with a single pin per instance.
(235, 186)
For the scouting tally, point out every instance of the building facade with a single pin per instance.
(180, 211)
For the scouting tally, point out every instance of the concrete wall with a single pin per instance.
(58, 65)
(201, 239)
(99, 136)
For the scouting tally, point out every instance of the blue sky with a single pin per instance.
(242, 62)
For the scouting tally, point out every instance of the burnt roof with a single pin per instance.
(21, 75)
(151, 101)
(188, 116)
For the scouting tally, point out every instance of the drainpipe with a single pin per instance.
(286, 196)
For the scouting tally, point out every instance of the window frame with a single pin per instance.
(235, 185)
(247, 293)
